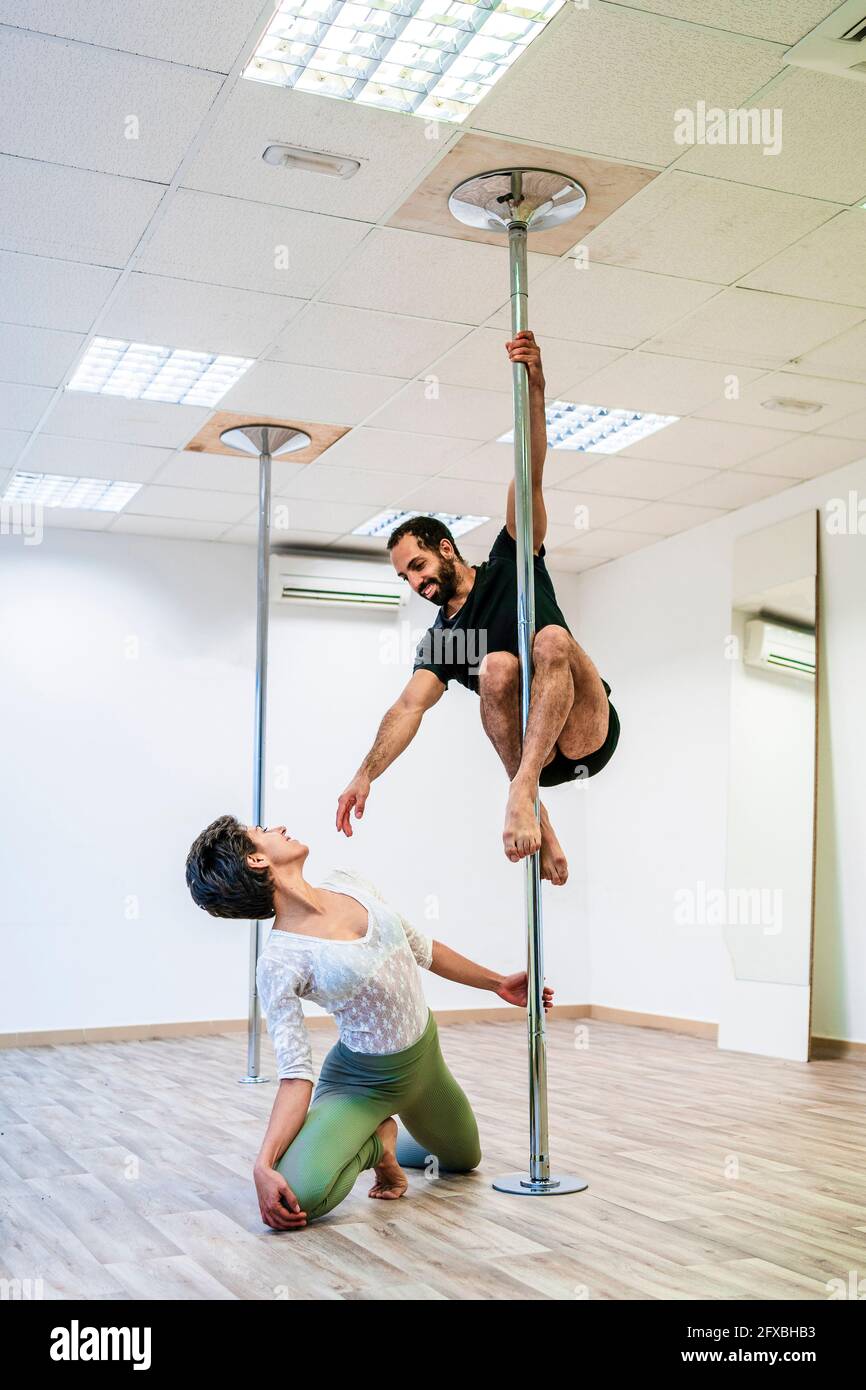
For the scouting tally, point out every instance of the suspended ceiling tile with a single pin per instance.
(189, 314)
(762, 330)
(806, 457)
(71, 519)
(399, 451)
(332, 484)
(608, 79)
(607, 543)
(457, 496)
(11, 444)
(200, 33)
(731, 490)
(837, 399)
(226, 241)
(783, 23)
(645, 479)
(96, 109)
(21, 406)
(649, 381)
(668, 518)
(335, 398)
(51, 294)
(85, 416)
(704, 229)
(172, 528)
(186, 503)
(430, 276)
(850, 427)
(36, 356)
(248, 534)
(452, 410)
(481, 360)
(843, 357)
(223, 472)
(302, 514)
(828, 264)
(607, 186)
(575, 561)
(362, 340)
(582, 510)
(49, 210)
(393, 151)
(708, 442)
(95, 458)
(597, 303)
(494, 463)
(823, 133)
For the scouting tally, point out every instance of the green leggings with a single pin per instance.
(355, 1093)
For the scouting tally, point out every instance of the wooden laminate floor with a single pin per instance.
(125, 1172)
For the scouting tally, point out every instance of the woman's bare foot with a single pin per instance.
(522, 833)
(391, 1182)
(554, 865)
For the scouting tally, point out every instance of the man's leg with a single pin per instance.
(566, 689)
(499, 688)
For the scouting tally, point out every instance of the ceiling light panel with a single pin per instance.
(383, 523)
(430, 58)
(142, 371)
(58, 490)
(596, 428)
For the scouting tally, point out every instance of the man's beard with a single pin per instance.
(446, 583)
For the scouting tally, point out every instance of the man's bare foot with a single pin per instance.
(554, 865)
(522, 833)
(391, 1182)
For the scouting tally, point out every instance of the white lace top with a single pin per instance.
(371, 985)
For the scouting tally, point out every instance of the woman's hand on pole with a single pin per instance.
(513, 991)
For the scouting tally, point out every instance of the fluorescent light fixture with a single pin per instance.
(55, 490)
(140, 371)
(311, 161)
(595, 428)
(383, 523)
(430, 58)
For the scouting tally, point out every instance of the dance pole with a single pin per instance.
(517, 202)
(268, 442)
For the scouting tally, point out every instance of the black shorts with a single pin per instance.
(562, 769)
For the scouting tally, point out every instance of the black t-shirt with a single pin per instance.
(453, 648)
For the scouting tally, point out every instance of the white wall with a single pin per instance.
(656, 622)
(118, 759)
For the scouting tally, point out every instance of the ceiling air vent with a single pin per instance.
(837, 46)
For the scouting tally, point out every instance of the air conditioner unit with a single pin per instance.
(837, 45)
(325, 582)
(773, 647)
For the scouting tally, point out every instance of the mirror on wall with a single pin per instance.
(770, 874)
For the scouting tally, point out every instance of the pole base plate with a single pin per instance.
(252, 1080)
(557, 1185)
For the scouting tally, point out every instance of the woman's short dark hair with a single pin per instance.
(428, 532)
(219, 878)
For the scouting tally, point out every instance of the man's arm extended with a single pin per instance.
(396, 731)
(524, 349)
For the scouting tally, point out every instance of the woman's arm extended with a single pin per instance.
(512, 988)
(278, 1204)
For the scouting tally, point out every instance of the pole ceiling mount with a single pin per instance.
(276, 440)
(537, 199)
